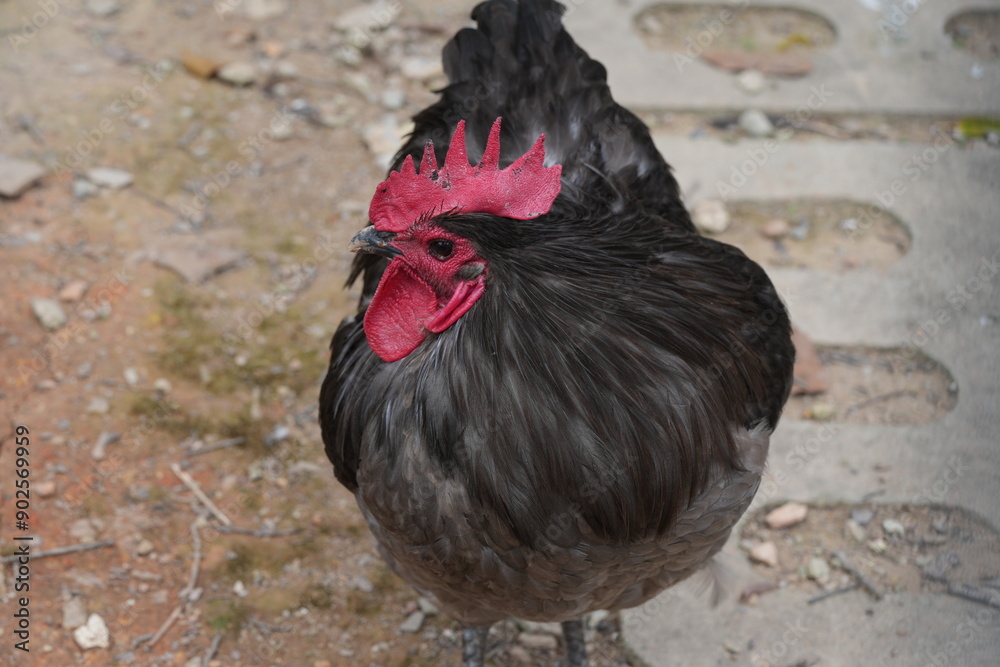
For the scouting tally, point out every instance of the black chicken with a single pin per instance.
(556, 396)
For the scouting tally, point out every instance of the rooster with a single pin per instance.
(556, 397)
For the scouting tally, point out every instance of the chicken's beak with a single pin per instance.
(370, 240)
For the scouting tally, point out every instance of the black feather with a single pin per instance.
(589, 432)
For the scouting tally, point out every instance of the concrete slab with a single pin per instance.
(943, 298)
(851, 630)
(912, 69)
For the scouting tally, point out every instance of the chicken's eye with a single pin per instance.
(441, 248)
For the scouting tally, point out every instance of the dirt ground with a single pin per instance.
(164, 329)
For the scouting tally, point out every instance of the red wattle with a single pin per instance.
(394, 321)
(405, 308)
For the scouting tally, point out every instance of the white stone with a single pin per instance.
(710, 216)
(49, 313)
(765, 553)
(238, 73)
(756, 123)
(109, 177)
(787, 515)
(751, 81)
(93, 634)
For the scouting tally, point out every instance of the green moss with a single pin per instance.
(194, 346)
(226, 615)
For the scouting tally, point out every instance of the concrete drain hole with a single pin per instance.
(821, 234)
(865, 385)
(774, 40)
(901, 548)
(976, 31)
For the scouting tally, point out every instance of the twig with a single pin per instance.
(212, 650)
(877, 399)
(222, 444)
(257, 533)
(140, 640)
(199, 494)
(195, 563)
(267, 627)
(174, 615)
(849, 566)
(835, 591)
(155, 201)
(974, 594)
(27, 124)
(62, 550)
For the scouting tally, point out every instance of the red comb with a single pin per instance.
(524, 190)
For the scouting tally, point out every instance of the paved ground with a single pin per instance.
(950, 202)
(173, 365)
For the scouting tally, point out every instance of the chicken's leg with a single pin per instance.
(474, 646)
(576, 647)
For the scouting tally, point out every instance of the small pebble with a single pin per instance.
(818, 569)
(428, 607)
(108, 177)
(84, 370)
(83, 188)
(894, 528)
(237, 74)
(83, 531)
(756, 123)
(45, 489)
(16, 175)
(711, 216)
(775, 229)
(49, 313)
(765, 553)
(821, 412)
(162, 386)
(862, 516)
(787, 515)
(74, 613)
(240, 589)
(73, 291)
(363, 584)
(144, 548)
(102, 8)
(131, 376)
(413, 622)
(855, 531)
(94, 634)
(751, 81)
(99, 405)
(878, 546)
